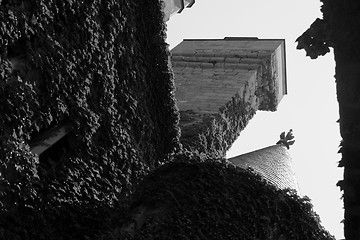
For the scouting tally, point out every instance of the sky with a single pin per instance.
(310, 108)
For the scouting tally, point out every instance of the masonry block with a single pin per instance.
(205, 65)
(213, 76)
(189, 59)
(193, 64)
(232, 60)
(217, 59)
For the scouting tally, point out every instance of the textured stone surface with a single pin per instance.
(272, 163)
(171, 7)
(230, 58)
(207, 90)
(220, 84)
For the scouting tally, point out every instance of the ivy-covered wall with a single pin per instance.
(212, 134)
(195, 199)
(102, 67)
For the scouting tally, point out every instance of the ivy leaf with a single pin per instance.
(340, 184)
(289, 135)
(285, 139)
(341, 163)
(315, 40)
(291, 142)
(282, 135)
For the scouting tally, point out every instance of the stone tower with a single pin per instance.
(273, 163)
(170, 7)
(221, 83)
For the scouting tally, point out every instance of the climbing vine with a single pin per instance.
(98, 66)
(213, 134)
(195, 199)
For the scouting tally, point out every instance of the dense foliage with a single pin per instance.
(339, 29)
(101, 66)
(315, 40)
(98, 66)
(193, 199)
(213, 134)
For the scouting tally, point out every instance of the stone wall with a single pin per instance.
(206, 90)
(220, 84)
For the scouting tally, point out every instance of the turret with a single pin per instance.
(273, 163)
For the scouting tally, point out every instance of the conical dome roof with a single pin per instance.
(273, 163)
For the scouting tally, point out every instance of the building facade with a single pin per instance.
(220, 84)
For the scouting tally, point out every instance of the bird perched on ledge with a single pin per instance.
(287, 139)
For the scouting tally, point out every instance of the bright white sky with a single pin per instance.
(310, 108)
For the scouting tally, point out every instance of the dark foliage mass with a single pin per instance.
(315, 41)
(339, 29)
(100, 66)
(195, 199)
